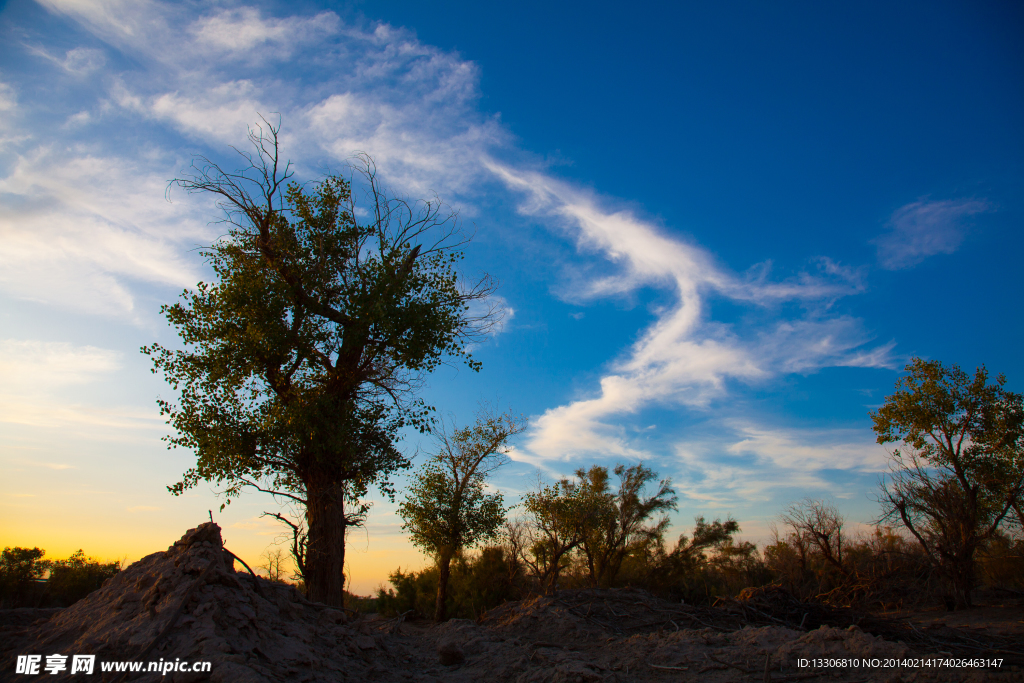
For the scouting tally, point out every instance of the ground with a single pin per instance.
(189, 604)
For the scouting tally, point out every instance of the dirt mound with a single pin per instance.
(189, 603)
(627, 635)
(605, 612)
(542, 641)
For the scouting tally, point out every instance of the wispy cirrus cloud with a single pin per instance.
(33, 375)
(78, 231)
(683, 358)
(925, 228)
(746, 462)
(79, 61)
(36, 365)
(245, 32)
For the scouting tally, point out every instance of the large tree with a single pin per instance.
(959, 468)
(301, 358)
(448, 508)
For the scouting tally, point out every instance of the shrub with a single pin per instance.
(1001, 563)
(21, 574)
(74, 578)
(22, 582)
(478, 582)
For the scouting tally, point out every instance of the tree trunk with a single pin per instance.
(444, 565)
(325, 552)
(961, 580)
(590, 565)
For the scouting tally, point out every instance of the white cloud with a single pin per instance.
(802, 346)
(85, 228)
(110, 424)
(748, 463)
(379, 90)
(682, 358)
(33, 375)
(218, 113)
(79, 119)
(925, 228)
(7, 98)
(809, 449)
(79, 61)
(83, 60)
(31, 365)
(244, 31)
(123, 23)
(80, 229)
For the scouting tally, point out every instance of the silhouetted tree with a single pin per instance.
(619, 520)
(448, 508)
(302, 357)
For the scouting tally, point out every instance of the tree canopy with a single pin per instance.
(583, 513)
(619, 521)
(959, 469)
(301, 358)
(448, 507)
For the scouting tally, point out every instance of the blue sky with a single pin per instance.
(720, 231)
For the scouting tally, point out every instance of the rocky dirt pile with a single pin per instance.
(188, 602)
(630, 635)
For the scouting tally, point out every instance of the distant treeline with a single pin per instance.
(27, 580)
(811, 555)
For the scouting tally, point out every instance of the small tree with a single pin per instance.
(619, 522)
(301, 359)
(272, 561)
(448, 508)
(960, 468)
(819, 524)
(558, 517)
(684, 571)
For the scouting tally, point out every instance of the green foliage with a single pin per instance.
(362, 604)
(816, 560)
(701, 567)
(960, 468)
(447, 508)
(584, 519)
(442, 518)
(1001, 562)
(290, 355)
(558, 516)
(617, 527)
(412, 591)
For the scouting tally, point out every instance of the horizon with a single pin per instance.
(720, 235)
